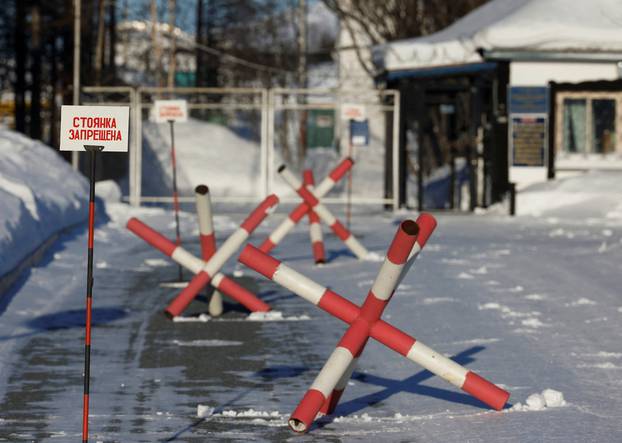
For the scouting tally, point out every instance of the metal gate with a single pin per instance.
(267, 119)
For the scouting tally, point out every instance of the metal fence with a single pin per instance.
(273, 126)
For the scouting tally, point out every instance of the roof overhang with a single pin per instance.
(558, 56)
(441, 71)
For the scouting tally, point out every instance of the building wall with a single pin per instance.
(541, 73)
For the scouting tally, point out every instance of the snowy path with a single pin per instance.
(528, 304)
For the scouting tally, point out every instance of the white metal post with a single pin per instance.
(133, 171)
(270, 156)
(139, 147)
(263, 156)
(396, 149)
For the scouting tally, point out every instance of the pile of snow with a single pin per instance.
(253, 316)
(549, 398)
(207, 153)
(39, 195)
(204, 411)
(595, 194)
(230, 165)
(275, 316)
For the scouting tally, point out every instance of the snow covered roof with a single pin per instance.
(585, 29)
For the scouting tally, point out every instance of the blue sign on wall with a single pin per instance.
(528, 99)
(359, 133)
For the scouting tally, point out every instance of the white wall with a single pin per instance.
(540, 73)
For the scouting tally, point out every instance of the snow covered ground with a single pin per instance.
(531, 303)
(39, 196)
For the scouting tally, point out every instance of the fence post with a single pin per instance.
(263, 156)
(452, 178)
(134, 201)
(270, 147)
(396, 150)
(512, 191)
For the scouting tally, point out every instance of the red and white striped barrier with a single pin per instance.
(208, 240)
(207, 271)
(378, 329)
(299, 212)
(315, 228)
(322, 211)
(342, 360)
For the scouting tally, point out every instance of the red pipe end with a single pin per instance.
(403, 242)
(259, 261)
(305, 413)
(427, 224)
(483, 390)
(151, 236)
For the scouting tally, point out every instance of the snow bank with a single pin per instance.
(207, 153)
(39, 195)
(595, 194)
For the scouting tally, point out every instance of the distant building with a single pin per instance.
(521, 90)
(136, 58)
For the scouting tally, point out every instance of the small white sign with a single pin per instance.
(352, 111)
(105, 126)
(170, 110)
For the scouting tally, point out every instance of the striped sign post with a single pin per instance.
(365, 323)
(315, 228)
(207, 272)
(302, 209)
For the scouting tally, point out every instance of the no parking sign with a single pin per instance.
(92, 129)
(170, 110)
(105, 126)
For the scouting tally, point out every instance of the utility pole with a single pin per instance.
(77, 9)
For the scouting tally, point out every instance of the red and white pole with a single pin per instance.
(214, 264)
(327, 217)
(426, 224)
(194, 264)
(380, 331)
(315, 228)
(198, 266)
(299, 212)
(351, 344)
(92, 150)
(208, 240)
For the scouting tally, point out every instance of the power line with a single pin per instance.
(238, 60)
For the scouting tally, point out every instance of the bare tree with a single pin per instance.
(372, 22)
(20, 66)
(155, 41)
(35, 71)
(99, 48)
